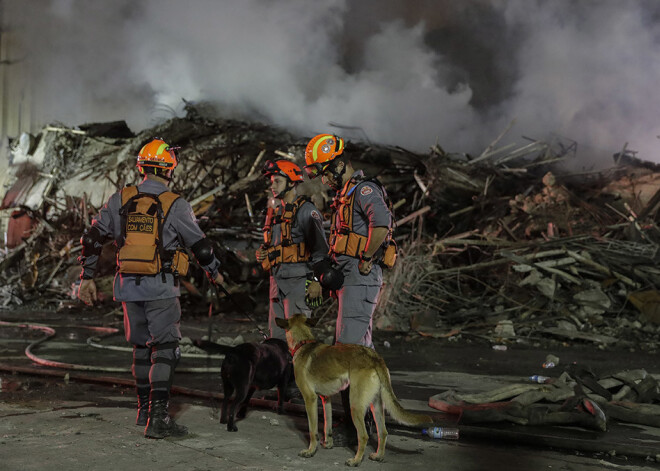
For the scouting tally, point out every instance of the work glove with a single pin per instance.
(313, 294)
(261, 253)
(87, 292)
(364, 267)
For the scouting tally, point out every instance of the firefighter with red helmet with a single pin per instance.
(294, 244)
(151, 226)
(360, 243)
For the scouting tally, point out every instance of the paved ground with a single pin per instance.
(84, 421)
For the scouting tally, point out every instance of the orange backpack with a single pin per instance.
(141, 252)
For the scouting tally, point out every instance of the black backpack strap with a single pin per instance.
(128, 194)
(165, 200)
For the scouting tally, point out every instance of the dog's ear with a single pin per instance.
(311, 322)
(282, 323)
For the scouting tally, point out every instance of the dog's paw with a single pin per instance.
(353, 462)
(307, 453)
(328, 443)
(376, 457)
(232, 428)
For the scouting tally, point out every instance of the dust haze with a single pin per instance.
(400, 72)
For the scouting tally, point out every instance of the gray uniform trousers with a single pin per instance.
(357, 301)
(287, 296)
(153, 327)
(152, 311)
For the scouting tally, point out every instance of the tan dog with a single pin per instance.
(324, 370)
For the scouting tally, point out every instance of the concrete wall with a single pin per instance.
(16, 104)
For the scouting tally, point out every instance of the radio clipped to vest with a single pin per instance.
(389, 254)
(180, 263)
(143, 217)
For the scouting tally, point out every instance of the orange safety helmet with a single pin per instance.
(285, 168)
(157, 154)
(321, 150)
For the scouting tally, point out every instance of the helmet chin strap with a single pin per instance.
(286, 189)
(337, 177)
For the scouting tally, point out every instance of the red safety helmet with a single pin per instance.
(320, 151)
(284, 168)
(157, 154)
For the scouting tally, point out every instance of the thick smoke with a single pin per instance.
(406, 72)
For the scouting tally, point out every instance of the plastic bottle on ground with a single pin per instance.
(551, 361)
(539, 379)
(446, 433)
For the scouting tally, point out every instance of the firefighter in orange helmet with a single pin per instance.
(150, 226)
(294, 243)
(360, 244)
(360, 233)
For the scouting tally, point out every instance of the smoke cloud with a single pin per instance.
(406, 72)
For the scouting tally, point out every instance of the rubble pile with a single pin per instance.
(575, 260)
(506, 236)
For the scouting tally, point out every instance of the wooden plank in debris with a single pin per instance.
(522, 261)
(72, 131)
(602, 269)
(495, 152)
(413, 215)
(521, 152)
(463, 177)
(284, 154)
(256, 162)
(485, 153)
(208, 194)
(559, 262)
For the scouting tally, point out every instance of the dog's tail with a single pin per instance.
(212, 347)
(393, 405)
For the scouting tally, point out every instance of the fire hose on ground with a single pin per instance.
(61, 368)
(91, 341)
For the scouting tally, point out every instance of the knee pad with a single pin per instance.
(92, 242)
(164, 360)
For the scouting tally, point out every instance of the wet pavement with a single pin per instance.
(82, 417)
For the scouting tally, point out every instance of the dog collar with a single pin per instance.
(300, 344)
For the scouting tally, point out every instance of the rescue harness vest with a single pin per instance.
(141, 251)
(344, 240)
(286, 251)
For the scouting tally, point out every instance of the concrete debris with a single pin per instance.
(506, 245)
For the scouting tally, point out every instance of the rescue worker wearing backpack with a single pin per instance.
(294, 244)
(150, 226)
(360, 244)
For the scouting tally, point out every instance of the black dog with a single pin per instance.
(248, 367)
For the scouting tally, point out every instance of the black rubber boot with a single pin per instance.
(142, 406)
(344, 433)
(160, 423)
